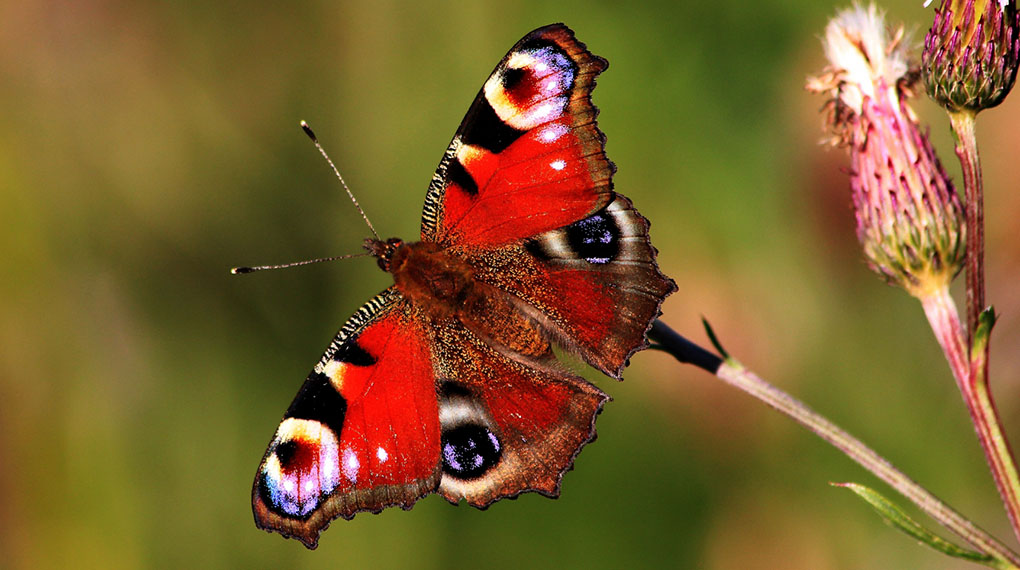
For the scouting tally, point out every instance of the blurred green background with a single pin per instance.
(145, 148)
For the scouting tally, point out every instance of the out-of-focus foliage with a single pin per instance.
(145, 148)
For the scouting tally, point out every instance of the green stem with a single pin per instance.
(993, 440)
(734, 374)
(967, 151)
(972, 378)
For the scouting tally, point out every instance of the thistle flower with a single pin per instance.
(909, 218)
(971, 53)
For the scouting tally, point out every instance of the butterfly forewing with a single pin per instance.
(528, 156)
(363, 432)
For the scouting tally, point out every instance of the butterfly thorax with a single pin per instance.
(437, 282)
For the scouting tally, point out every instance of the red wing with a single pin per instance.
(593, 285)
(528, 157)
(363, 432)
(507, 427)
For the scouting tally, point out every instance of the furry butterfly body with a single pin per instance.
(446, 381)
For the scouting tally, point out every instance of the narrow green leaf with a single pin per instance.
(986, 320)
(900, 520)
(714, 339)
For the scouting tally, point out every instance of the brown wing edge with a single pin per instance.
(670, 289)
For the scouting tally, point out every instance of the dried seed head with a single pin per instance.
(909, 219)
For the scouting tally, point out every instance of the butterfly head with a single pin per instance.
(383, 250)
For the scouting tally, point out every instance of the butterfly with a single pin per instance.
(446, 381)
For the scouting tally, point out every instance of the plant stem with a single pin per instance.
(945, 323)
(734, 374)
(993, 439)
(967, 151)
(972, 378)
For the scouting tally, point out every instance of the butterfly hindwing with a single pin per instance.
(528, 156)
(362, 433)
(508, 427)
(593, 284)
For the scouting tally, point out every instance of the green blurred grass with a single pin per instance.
(146, 148)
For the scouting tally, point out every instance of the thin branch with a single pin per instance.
(734, 374)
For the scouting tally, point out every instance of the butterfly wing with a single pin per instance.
(507, 427)
(593, 285)
(528, 156)
(362, 434)
(524, 193)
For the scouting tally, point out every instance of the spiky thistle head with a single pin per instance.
(909, 219)
(971, 53)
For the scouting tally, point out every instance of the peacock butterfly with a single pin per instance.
(446, 381)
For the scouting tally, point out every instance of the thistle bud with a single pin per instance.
(971, 53)
(909, 218)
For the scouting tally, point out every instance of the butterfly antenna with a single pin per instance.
(243, 270)
(322, 151)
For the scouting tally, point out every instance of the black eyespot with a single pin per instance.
(596, 239)
(469, 451)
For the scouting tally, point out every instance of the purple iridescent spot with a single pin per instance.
(549, 61)
(469, 451)
(301, 469)
(595, 239)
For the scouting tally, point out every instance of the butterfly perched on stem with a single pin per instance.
(446, 381)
